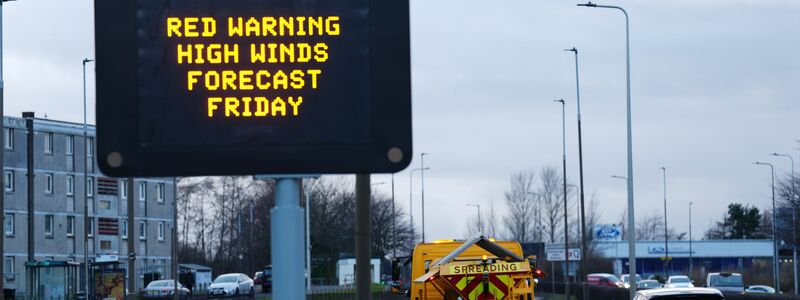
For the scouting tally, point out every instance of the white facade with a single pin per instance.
(346, 271)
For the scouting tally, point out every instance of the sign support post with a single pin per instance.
(287, 228)
(363, 230)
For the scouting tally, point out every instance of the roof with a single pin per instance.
(194, 267)
(680, 291)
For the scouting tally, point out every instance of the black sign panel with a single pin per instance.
(220, 87)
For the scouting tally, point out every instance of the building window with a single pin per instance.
(9, 181)
(70, 144)
(48, 142)
(70, 225)
(91, 227)
(160, 192)
(142, 230)
(161, 230)
(125, 229)
(9, 137)
(9, 224)
(90, 186)
(8, 266)
(48, 187)
(106, 205)
(123, 189)
(90, 148)
(48, 225)
(70, 185)
(105, 245)
(142, 191)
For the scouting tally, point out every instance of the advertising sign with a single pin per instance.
(607, 232)
(109, 284)
(223, 87)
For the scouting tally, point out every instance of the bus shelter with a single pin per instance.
(52, 280)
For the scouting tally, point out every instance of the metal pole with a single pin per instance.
(394, 220)
(308, 236)
(363, 230)
(411, 206)
(132, 226)
(30, 175)
(792, 199)
(691, 264)
(176, 293)
(631, 221)
(666, 230)
(422, 183)
(85, 184)
(776, 272)
(580, 172)
(566, 218)
(286, 225)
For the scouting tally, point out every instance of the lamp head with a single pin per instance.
(588, 4)
(572, 50)
(86, 60)
(559, 100)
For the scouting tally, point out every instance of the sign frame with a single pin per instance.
(119, 153)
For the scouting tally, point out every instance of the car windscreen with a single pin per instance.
(160, 283)
(613, 278)
(227, 278)
(650, 284)
(733, 280)
(679, 280)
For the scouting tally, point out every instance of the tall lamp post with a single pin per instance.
(776, 271)
(580, 171)
(564, 175)
(666, 228)
(85, 181)
(422, 184)
(631, 221)
(793, 198)
(394, 220)
(411, 201)
(2, 132)
(480, 226)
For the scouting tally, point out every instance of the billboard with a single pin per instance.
(607, 232)
(223, 87)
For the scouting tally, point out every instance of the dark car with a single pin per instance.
(266, 279)
(726, 282)
(648, 284)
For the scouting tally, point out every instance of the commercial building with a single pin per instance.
(59, 153)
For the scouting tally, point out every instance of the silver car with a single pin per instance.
(678, 281)
(164, 289)
(680, 293)
(231, 285)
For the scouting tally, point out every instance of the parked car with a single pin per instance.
(231, 285)
(257, 277)
(604, 279)
(627, 282)
(164, 289)
(266, 279)
(648, 284)
(759, 289)
(726, 282)
(678, 281)
(680, 293)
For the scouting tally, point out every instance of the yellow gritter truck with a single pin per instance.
(478, 269)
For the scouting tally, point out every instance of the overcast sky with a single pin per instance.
(714, 87)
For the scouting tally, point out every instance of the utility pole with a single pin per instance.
(362, 235)
(131, 240)
(176, 293)
(691, 264)
(564, 175)
(422, 183)
(29, 116)
(666, 229)
(86, 150)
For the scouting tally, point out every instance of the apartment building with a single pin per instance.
(60, 151)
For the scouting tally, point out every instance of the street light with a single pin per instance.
(422, 178)
(566, 219)
(631, 223)
(777, 274)
(85, 180)
(580, 169)
(792, 201)
(480, 226)
(666, 228)
(2, 132)
(411, 201)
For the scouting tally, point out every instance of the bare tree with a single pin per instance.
(521, 207)
(552, 203)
